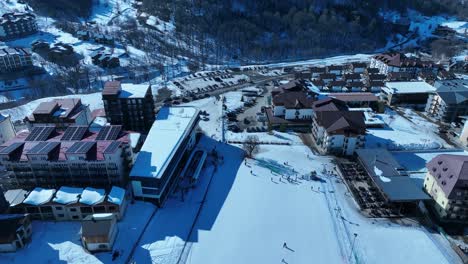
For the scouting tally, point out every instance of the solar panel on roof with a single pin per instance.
(45, 134)
(103, 133)
(79, 133)
(11, 148)
(114, 133)
(49, 147)
(36, 149)
(112, 147)
(34, 133)
(85, 147)
(69, 133)
(74, 147)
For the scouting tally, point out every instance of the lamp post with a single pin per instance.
(352, 246)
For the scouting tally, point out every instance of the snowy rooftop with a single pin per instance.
(68, 195)
(39, 196)
(116, 195)
(171, 126)
(408, 87)
(92, 196)
(133, 90)
(134, 138)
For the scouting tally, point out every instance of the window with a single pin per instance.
(61, 215)
(102, 246)
(72, 209)
(112, 208)
(75, 217)
(58, 208)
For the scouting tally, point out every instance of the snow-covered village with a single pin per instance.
(176, 131)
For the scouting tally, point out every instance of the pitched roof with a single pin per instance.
(342, 122)
(294, 100)
(449, 171)
(329, 104)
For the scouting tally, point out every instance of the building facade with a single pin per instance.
(7, 130)
(129, 105)
(449, 102)
(16, 232)
(98, 232)
(15, 25)
(78, 157)
(399, 62)
(164, 153)
(12, 59)
(447, 183)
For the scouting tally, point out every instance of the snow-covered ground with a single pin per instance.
(460, 27)
(94, 101)
(59, 242)
(402, 134)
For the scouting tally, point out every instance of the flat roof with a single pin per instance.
(390, 176)
(134, 90)
(408, 87)
(163, 140)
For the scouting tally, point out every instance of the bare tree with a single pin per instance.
(251, 145)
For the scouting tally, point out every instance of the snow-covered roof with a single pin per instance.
(130, 90)
(39, 196)
(170, 128)
(67, 195)
(134, 138)
(408, 87)
(116, 195)
(91, 196)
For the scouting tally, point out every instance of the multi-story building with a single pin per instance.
(129, 105)
(399, 62)
(60, 113)
(335, 129)
(450, 100)
(7, 130)
(12, 59)
(16, 232)
(164, 153)
(15, 25)
(98, 232)
(447, 183)
(49, 158)
(293, 105)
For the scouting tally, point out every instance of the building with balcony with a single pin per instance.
(408, 93)
(449, 102)
(129, 105)
(335, 129)
(16, 25)
(164, 153)
(446, 182)
(15, 231)
(50, 158)
(399, 62)
(13, 59)
(60, 113)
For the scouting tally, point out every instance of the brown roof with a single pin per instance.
(66, 107)
(294, 100)
(450, 172)
(400, 60)
(400, 76)
(327, 76)
(342, 122)
(355, 84)
(329, 104)
(337, 83)
(112, 88)
(377, 76)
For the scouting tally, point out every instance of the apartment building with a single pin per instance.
(446, 182)
(15, 25)
(450, 100)
(50, 158)
(12, 59)
(335, 129)
(7, 130)
(16, 231)
(60, 113)
(399, 62)
(164, 153)
(129, 105)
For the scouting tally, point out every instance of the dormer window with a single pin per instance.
(445, 169)
(439, 176)
(434, 169)
(444, 183)
(439, 162)
(451, 176)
